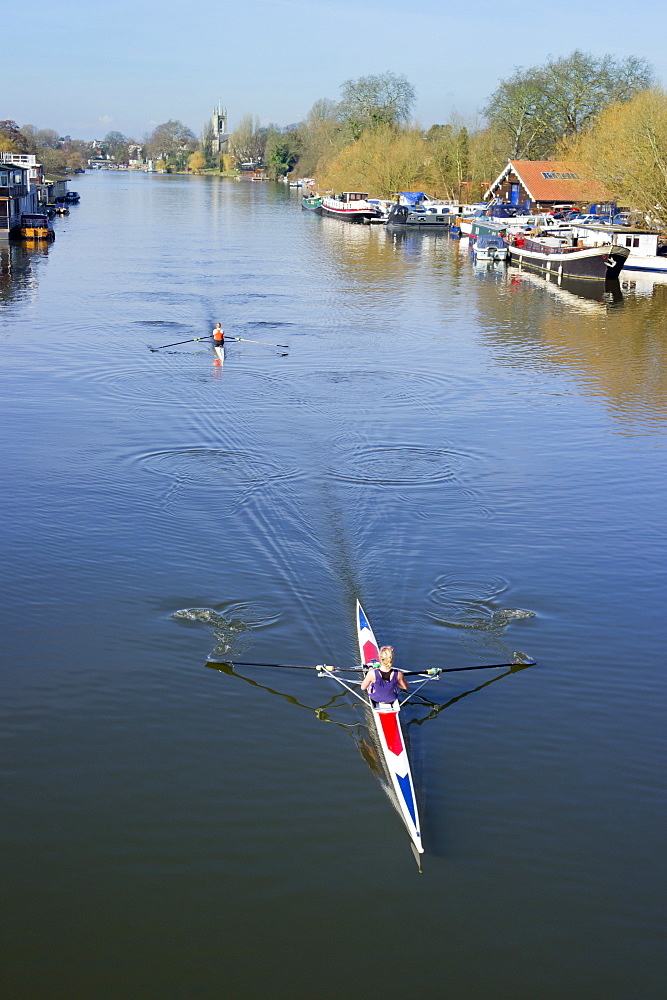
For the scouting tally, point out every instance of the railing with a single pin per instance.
(533, 245)
(15, 191)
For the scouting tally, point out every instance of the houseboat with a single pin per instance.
(353, 206)
(36, 227)
(645, 251)
(567, 258)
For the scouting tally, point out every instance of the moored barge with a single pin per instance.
(554, 256)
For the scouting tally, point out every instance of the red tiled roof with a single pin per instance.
(583, 187)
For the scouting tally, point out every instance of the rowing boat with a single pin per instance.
(387, 730)
(219, 350)
(383, 723)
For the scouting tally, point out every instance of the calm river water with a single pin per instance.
(478, 456)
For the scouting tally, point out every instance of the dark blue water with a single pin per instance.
(476, 455)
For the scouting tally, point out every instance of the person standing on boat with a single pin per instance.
(383, 682)
(218, 335)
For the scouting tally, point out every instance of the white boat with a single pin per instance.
(390, 740)
(390, 752)
(488, 247)
(646, 253)
(353, 206)
(219, 351)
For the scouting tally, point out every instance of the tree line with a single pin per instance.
(605, 112)
(172, 145)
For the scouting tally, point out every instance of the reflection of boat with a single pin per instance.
(489, 248)
(353, 206)
(581, 294)
(553, 255)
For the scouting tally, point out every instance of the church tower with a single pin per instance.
(219, 125)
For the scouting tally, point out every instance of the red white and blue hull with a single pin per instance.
(389, 737)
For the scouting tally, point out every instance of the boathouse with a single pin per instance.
(541, 185)
(17, 198)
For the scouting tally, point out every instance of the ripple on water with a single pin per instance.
(456, 607)
(211, 466)
(400, 465)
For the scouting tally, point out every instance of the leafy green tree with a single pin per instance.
(537, 109)
(372, 101)
(281, 152)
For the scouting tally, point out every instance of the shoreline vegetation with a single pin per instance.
(608, 114)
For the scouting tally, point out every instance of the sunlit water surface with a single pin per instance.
(478, 456)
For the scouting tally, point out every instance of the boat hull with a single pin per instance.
(348, 214)
(598, 263)
(219, 351)
(386, 731)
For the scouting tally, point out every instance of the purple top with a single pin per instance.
(384, 690)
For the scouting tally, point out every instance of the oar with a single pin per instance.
(249, 663)
(479, 666)
(246, 341)
(191, 341)
(361, 666)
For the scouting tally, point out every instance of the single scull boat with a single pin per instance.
(386, 729)
(390, 737)
(219, 350)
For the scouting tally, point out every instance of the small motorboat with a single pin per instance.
(489, 248)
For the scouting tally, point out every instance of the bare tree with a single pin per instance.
(372, 101)
(246, 143)
(537, 109)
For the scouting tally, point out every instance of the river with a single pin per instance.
(477, 455)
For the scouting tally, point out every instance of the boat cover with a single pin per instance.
(412, 197)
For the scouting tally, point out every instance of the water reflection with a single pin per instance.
(579, 294)
(18, 273)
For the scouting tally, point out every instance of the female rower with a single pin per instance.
(218, 334)
(384, 681)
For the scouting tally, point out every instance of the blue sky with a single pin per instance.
(129, 66)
